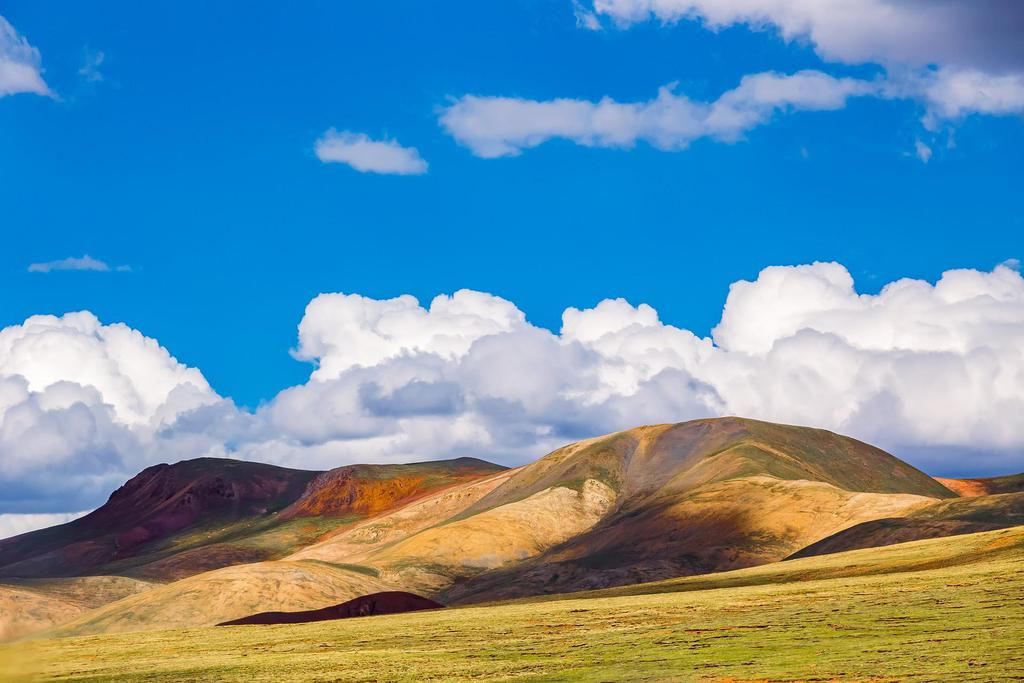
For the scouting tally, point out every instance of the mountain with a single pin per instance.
(649, 503)
(159, 502)
(697, 497)
(172, 521)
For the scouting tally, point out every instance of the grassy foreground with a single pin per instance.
(945, 609)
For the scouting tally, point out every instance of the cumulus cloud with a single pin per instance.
(367, 155)
(20, 70)
(957, 56)
(85, 262)
(919, 368)
(931, 371)
(80, 406)
(502, 126)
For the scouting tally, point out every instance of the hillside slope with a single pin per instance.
(230, 593)
(158, 502)
(939, 610)
(645, 504)
(701, 496)
(173, 521)
(33, 605)
(936, 520)
(986, 486)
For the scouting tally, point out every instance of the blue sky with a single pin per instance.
(630, 212)
(192, 162)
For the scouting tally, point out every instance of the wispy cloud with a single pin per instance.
(367, 155)
(504, 126)
(85, 262)
(90, 69)
(923, 151)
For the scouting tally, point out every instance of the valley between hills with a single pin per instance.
(706, 550)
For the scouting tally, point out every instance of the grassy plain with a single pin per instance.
(942, 609)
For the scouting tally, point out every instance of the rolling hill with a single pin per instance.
(172, 521)
(651, 503)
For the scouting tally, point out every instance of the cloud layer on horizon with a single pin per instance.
(919, 368)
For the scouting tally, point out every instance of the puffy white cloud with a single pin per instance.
(19, 64)
(341, 331)
(503, 126)
(80, 405)
(917, 366)
(367, 155)
(956, 56)
(931, 371)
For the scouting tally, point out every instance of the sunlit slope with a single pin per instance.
(942, 518)
(1012, 483)
(700, 496)
(667, 459)
(35, 604)
(363, 539)
(943, 609)
(229, 593)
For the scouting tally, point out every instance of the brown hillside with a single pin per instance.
(942, 518)
(368, 490)
(648, 503)
(968, 488)
(173, 521)
(159, 501)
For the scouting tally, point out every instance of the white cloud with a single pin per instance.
(20, 70)
(502, 126)
(342, 331)
(367, 155)
(980, 33)
(14, 524)
(934, 372)
(85, 262)
(81, 407)
(954, 93)
(917, 366)
(958, 57)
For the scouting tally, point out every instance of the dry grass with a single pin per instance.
(944, 609)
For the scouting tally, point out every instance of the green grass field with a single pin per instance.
(939, 610)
